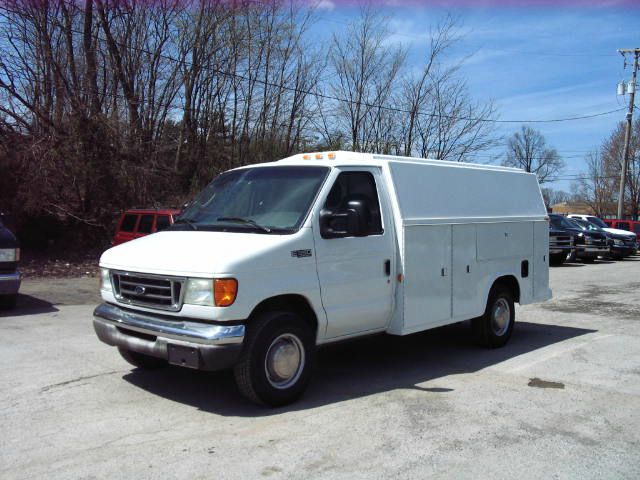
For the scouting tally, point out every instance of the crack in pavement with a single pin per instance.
(79, 379)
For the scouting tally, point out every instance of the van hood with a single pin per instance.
(205, 254)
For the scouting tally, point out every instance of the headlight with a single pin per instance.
(220, 292)
(199, 292)
(9, 254)
(105, 280)
(617, 241)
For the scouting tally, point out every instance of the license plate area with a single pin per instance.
(183, 356)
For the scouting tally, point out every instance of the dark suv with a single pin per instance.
(590, 243)
(620, 246)
(10, 277)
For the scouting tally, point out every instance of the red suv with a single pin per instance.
(137, 223)
(628, 225)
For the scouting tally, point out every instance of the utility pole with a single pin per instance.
(627, 133)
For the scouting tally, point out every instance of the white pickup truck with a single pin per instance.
(272, 260)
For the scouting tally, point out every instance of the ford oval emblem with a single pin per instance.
(140, 290)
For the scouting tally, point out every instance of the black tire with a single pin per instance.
(489, 330)
(146, 362)
(273, 335)
(557, 259)
(8, 302)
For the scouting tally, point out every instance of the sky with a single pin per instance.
(536, 60)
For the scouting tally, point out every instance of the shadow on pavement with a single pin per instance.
(28, 305)
(359, 368)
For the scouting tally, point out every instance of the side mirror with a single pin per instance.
(346, 223)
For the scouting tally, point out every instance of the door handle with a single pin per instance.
(387, 267)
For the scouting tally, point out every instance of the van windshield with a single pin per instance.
(259, 199)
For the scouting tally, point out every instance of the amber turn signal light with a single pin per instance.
(225, 291)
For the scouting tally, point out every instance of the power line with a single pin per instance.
(325, 96)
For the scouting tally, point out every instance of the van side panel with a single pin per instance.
(504, 240)
(434, 191)
(427, 277)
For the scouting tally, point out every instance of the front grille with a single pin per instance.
(598, 242)
(560, 241)
(146, 290)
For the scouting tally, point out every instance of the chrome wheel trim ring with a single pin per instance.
(284, 361)
(500, 317)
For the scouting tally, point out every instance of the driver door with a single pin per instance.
(355, 272)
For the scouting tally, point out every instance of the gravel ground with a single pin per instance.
(561, 400)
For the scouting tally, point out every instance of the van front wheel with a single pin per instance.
(277, 360)
(494, 328)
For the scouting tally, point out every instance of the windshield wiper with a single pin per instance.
(187, 221)
(247, 221)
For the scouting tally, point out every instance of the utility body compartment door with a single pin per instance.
(468, 301)
(428, 281)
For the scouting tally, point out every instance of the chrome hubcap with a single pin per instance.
(500, 317)
(284, 361)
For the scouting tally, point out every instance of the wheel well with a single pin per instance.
(289, 303)
(510, 282)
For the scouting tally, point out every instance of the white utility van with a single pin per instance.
(272, 260)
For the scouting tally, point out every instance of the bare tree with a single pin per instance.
(107, 104)
(365, 67)
(553, 197)
(527, 149)
(612, 151)
(597, 186)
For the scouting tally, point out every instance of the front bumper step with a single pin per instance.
(217, 346)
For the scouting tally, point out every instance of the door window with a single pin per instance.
(146, 221)
(357, 186)
(128, 223)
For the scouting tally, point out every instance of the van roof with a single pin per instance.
(345, 158)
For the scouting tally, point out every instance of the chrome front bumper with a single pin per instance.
(561, 248)
(597, 249)
(10, 283)
(215, 346)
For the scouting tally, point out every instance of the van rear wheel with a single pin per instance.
(494, 328)
(275, 366)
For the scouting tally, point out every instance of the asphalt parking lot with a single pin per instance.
(562, 400)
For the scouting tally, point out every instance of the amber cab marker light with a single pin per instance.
(318, 156)
(225, 291)
(306, 157)
(332, 156)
